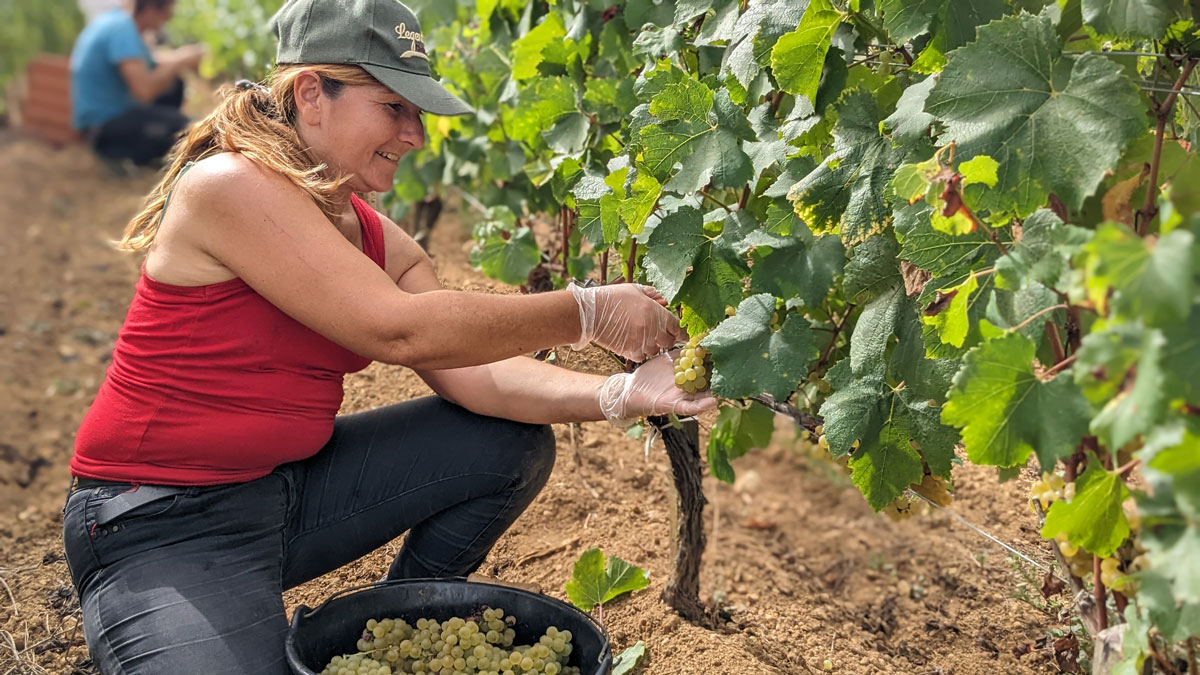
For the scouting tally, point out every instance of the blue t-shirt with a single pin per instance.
(98, 91)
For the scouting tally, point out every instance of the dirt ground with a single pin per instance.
(795, 556)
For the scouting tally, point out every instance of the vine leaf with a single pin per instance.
(910, 123)
(1170, 514)
(1005, 411)
(846, 193)
(1147, 19)
(750, 358)
(736, 432)
(671, 250)
(707, 148)
(1120, 369)
(509, 260)
(714, 283)
(1065, 118)
(628, 659)
(1181, 361)
(799, 57)
(1093, 519)
(800, 268)
(939, 253)
(595, 583)
(886, 422)
(951, 24)
(1151, 280)
(1043, 253)
(952, 323)
(527, 51)
(754, 35)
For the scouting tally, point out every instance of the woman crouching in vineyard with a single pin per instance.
(210, 472)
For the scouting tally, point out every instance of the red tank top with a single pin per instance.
(214, 384)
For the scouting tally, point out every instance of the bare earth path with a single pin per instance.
(806, 571)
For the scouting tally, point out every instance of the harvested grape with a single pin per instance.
(473, 645)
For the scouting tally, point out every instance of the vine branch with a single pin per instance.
(706, 195)
(800, 417)
(1033, 318)
(1149, 208)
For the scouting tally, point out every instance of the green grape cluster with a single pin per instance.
(691, 373)
(480, 645)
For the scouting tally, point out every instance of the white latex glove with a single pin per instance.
(628, 319)
(650, 390)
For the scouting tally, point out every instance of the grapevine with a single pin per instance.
(944, 237)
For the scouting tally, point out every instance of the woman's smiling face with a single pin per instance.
(363, 131)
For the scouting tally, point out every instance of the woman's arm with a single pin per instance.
(267, 232)
(527, 390)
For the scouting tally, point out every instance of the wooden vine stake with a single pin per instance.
(682, 592)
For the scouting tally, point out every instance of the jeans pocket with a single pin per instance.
(118, 522)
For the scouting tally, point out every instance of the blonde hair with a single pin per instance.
(260, 123)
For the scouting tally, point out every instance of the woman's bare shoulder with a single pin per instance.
(233, 176)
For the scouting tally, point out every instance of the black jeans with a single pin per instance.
(192, 582)
(145, 132)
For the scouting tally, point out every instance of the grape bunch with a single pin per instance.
(691, 373)
(1050, 488)
(475, 645)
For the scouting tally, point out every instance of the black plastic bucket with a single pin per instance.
(317, 635)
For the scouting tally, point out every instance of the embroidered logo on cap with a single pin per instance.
(418, 42)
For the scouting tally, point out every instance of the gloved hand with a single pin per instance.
(628, 319)
(650, 390)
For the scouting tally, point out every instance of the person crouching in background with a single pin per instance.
(124, 99)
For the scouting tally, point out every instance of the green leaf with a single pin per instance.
(910, 123)
(705, 150)
(510, 261)
(595, 583)
(1145, 19)
(980, 170)
(672, 249)
(1170, 515)
(750, 358)
(873, 268)
(879, 320)
(907, 19)
(937, 252)
(846, 193)
(1005, 411)
(714, 283)
(636, 209)
(1181, 359)
(884, 469)
(799, 56)
(1065, 118)
(1093, 519)
(543, 105)
(754, 35)
(886, 422)
(951, 323)
(1043, 254)
(803, 269)
(1119, 368)
(1147, 279)
(1183, 458)
(628, 659)
(736, 432)
(951, 24)
(527, 51)
(609, 100)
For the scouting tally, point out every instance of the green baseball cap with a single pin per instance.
(382, 36)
